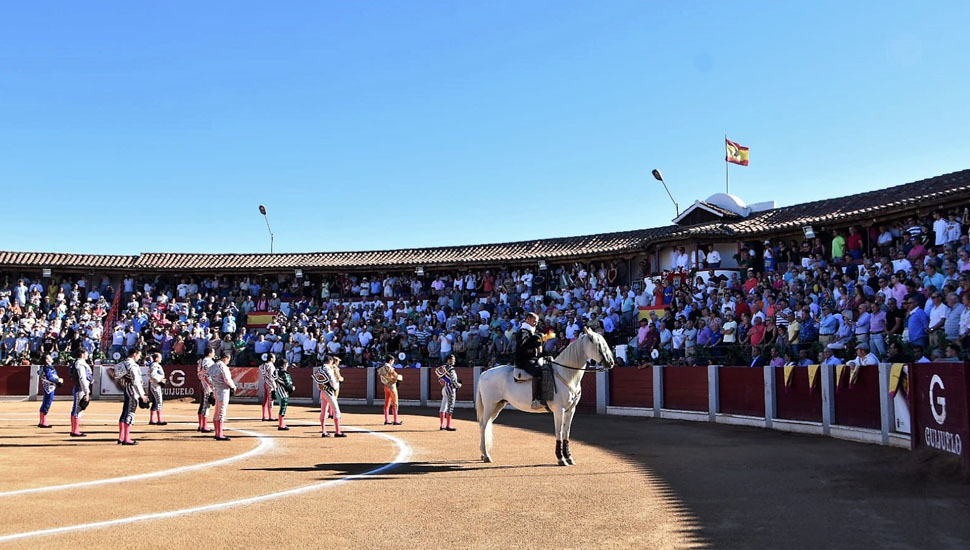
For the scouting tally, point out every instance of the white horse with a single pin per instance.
(497, 387)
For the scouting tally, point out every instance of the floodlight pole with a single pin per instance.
(659, 177)
(262, 210)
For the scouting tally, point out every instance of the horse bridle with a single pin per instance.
(584, 367)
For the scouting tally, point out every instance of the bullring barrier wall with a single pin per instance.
(761, 397)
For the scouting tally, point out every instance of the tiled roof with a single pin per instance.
(722, 211)
(703, 212)
(548, 249)
(946, 189)
(54, 259)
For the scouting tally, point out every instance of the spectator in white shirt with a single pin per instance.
(938, 313)
(446, 345)
(729, 329)
(681, 259)
(863, 356)
(939, 228)
(713, 258)
(678, 338)
(953, 230)
(697, 258)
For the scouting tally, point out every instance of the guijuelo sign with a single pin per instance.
(940, 394)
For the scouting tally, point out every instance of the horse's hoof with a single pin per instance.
(570, 461)
(486, 459)
(562, 462)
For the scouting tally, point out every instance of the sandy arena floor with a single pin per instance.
(639, 484)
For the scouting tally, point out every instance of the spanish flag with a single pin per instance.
(736, 153)
(259, 319)
(644, 312)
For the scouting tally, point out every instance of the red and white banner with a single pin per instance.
(247, 381)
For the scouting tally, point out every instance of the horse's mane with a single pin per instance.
(572, 355)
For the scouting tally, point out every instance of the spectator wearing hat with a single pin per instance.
(756, 334)
(863, 357)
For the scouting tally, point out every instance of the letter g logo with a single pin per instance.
(177, 378)
(938, 415)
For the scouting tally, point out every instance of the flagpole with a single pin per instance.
(727, 171)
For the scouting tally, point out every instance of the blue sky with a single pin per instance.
(140, 127)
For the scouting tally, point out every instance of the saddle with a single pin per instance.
(548, 380)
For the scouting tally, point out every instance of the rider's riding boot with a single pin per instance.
(537, 400)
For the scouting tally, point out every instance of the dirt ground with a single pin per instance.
(639, 483)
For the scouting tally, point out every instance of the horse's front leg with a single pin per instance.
(567, 422)
(557, 415)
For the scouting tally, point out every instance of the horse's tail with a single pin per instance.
(484, 423)
(479, 408)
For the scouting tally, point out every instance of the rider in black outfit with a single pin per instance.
(527, 355)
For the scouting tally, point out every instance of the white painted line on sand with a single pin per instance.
(403, 454)
(265, 444)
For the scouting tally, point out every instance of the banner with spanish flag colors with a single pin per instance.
(735, 153)
(645, 311)
(259, 319)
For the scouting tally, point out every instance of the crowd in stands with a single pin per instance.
(893, 292)
(59, 318)
(362, 319)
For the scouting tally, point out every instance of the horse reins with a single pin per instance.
(584, 367)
